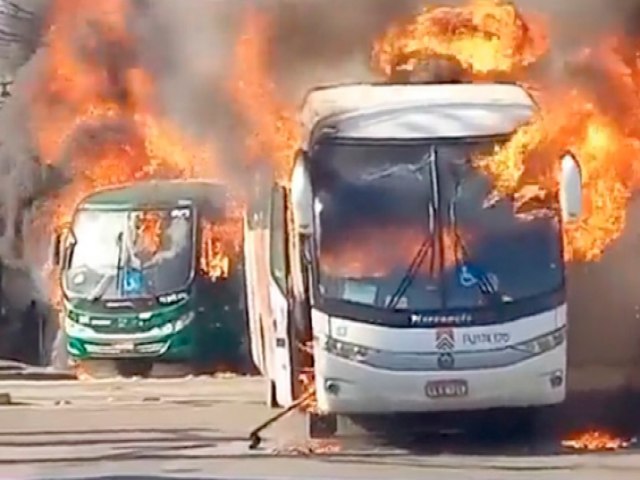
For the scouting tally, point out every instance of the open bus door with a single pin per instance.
(286, 359)
(251, 245)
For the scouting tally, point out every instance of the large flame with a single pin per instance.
(490, 36)
(92, 109)
(275, 133)
(93, 115)
(485, 36)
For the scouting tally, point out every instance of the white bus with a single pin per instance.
(418, 290)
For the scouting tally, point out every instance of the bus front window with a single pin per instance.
(410, 227)
(142, 253)
(374, 213)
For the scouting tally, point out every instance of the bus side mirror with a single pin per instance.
(56, 250)
(301, 196)
(570, 188)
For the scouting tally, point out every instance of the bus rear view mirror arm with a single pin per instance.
(56, 253)
(58, 247)
(570, 188)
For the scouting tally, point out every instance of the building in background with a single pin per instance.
(20, 23)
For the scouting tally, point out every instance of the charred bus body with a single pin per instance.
(415, 292)
(145, 278)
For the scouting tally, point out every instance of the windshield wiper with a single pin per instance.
(101, 288)
(108, 278)
(427, 246)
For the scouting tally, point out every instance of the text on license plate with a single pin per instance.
(125, 346)
(446, 389)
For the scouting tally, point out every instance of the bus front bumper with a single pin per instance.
(173, 347)
(348, 387)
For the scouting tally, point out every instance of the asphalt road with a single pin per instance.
(197, 427)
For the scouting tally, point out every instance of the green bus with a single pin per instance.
(150, 273)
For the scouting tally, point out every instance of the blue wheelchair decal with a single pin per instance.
(469, 275)
(133, 281)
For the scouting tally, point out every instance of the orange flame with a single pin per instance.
(275, 133)
(363, 252)
(491, 36)
(92, 114)
(214, 261)
(596, 440)
(149, 232)
(485, 36)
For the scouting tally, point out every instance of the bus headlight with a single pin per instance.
(183, 321)
(74, 329)
(177, 325)
(544, 343)
(346, 350)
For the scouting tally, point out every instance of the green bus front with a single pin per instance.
(126, 301)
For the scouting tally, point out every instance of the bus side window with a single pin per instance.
(214, 259)
(278, 239)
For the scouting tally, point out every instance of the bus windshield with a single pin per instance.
(129, 254)
(414, 227)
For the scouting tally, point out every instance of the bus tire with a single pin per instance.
(270, 394)
(321, 426)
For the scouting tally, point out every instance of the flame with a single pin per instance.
(93, 117)
(149, 232)
(595, 120)
(364, 253)
(485, 36)
(308, 384)
(275, 133)
(221, 242)
(92, 112)
(596, 440)
(214, 261)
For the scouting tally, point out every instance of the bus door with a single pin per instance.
(279, 285)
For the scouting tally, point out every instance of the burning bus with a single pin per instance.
(391, 258)
(149, 272)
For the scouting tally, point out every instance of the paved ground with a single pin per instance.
(197, 428)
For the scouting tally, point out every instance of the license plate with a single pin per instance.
(446, 389)
(125, 346)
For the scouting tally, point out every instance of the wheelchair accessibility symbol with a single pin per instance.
(466, 278)
(133, 281)
(470, 276)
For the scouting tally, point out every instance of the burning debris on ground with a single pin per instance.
(596, 440)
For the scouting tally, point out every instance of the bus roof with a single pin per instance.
(414, 111)
(157, 194)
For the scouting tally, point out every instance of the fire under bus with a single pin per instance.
(145, 278)
(416, 293)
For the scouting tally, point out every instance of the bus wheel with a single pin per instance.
(321, 426)
(270, 393)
